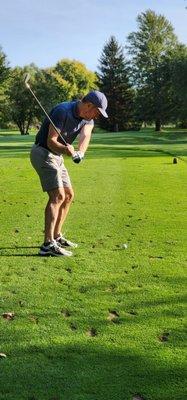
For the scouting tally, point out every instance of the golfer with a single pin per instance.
(71, 119)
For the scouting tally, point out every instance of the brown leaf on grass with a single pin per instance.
(83, 289)
(2, 355)
(92, 332)
(65, 313)
(100, 241)
(60, 280)
(69, 270)
(111, 287)
(73, 327)
(113, 315)
(164, 337)
(153, 257)
(9, 315)
(34, 319)
(132, 312)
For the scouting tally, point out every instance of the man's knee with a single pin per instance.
(57, 196)
(69, 195)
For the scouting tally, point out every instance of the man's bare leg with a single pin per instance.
(63, 210)
(56, 199)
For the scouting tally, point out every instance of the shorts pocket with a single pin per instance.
(53, 160)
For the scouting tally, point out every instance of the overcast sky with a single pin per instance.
(45, 31)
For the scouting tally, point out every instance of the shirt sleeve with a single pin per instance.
(58, 116)
(91, 122)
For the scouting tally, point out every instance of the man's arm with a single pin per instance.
(84, 137)
(55, 146)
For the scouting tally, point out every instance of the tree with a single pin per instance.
(66, 81)
(179, 79)
(69, 79)
(4, 75)
(114, 82)
(151, 49)
(22, 106)
(75, 77)
(50, 89)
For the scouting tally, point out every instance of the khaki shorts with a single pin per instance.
(50, 168)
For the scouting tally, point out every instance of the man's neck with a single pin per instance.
(79, 109)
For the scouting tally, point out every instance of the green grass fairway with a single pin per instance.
(107, 324)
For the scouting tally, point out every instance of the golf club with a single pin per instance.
(76, 158)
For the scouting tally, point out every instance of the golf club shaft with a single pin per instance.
(52, 123)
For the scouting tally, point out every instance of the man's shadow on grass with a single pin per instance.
(14, 248)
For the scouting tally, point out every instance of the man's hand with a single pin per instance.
(78, 157)
(70, 151)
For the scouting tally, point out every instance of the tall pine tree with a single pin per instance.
(151, 48)
(179, 80)
(114, 82)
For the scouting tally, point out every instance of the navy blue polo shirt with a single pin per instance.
(65, 118)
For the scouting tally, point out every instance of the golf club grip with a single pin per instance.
(50, 120)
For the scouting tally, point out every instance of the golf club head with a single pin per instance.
(26, 79)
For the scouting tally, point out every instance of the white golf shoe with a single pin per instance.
(53, 249)
(63, 242)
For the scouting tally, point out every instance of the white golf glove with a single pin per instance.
(78, 157)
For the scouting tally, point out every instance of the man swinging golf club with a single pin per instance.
(65, 122)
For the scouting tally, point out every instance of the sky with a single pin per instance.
(45, 31)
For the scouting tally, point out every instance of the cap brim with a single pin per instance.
(103, 112)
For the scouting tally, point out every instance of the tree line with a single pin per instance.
(147, 83)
